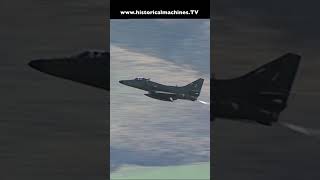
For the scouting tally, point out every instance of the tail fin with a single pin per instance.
(272, 82)
(280, 72)
(195, 87)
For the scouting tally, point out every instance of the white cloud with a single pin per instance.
(142, 124)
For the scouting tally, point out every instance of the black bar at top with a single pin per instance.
(129, 9)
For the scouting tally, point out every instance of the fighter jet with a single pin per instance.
(164, 92)
(88, 67)
(258, 96)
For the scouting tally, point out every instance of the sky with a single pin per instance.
(149, 132)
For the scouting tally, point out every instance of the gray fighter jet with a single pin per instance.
(257, 97)
(164, 92)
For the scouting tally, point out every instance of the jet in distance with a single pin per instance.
(165, 92)
(258, 96)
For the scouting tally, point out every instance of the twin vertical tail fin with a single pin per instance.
(195, 87)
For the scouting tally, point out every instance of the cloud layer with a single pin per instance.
(146, 131)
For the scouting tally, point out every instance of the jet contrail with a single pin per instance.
(203, 102)
(301, 130)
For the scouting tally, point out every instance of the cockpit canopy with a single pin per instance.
(141, 78)
(92, 54)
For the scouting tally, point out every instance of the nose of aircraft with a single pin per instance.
(126, 82)
(36, 64)
(94, 73)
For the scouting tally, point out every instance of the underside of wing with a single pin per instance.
(162, 96)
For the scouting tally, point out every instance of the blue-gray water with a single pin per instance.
(150, 132)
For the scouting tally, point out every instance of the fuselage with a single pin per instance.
(243, 103)
(160, 91)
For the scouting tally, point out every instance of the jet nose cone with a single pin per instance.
(36, 64)
(125, 82)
